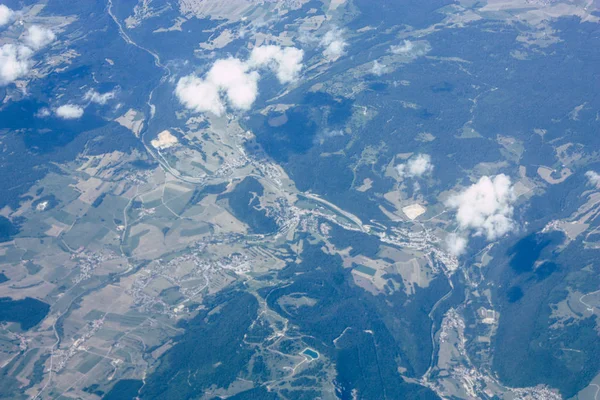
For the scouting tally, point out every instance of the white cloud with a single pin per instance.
(37, 37)
(486, 207)
(198, 95)
(6, 15)
(456, 244)
(95, 97)
(408, 48)
(416, 167)
(328, 134)
(227, 78)
(403, 48)
(286, 62)
(333, 44)
(593, 178)
(233, 78)
(43, 113)
(378, 69)
(333, 133)
(15, 59)
(14, 62)
(69, 111)
(234, 83)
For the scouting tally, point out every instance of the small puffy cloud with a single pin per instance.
(286, 62)
(593, 178)
(416, 167)
(228, 78)
(234, 83)
(15, 59)
(232, 77)
(378, 69)
(406, 47)
(99, 98)
(486, 207)
(333, 133)
(333, 44)
(6, 15)
(328, 134)
(456, 244)
(37, 37)
(43, 112)
(14, 62)
(69, 111)
(198, 95)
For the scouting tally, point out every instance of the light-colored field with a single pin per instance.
(215, 9)
(546, 174)
(414, 210)
(164, 140)
(132, 120)
(535, 12)
(414, 274)
(366, 185)
(334, 4)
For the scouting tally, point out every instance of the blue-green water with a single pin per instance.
(311, 353)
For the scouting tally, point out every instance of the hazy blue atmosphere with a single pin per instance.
(300, 199)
